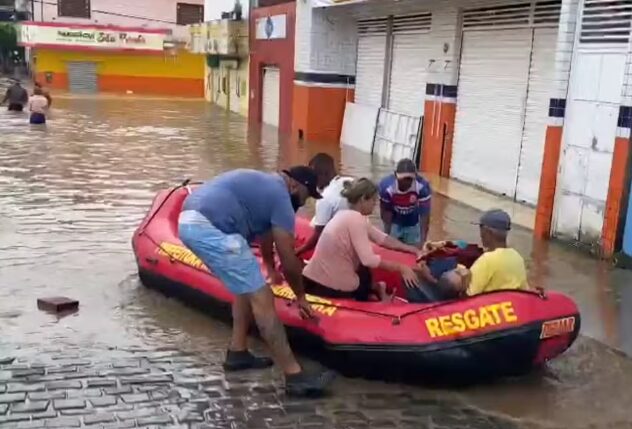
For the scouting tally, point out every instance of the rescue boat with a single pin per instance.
(489, 335)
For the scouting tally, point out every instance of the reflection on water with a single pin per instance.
(72, 193)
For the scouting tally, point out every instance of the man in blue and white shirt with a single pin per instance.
(405, 198)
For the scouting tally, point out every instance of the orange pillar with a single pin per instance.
(548, 182)
(548, 174)
(614, 200)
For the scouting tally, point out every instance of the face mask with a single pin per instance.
(296, 202)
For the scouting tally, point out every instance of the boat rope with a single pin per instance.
(173, 259)
(396, 319)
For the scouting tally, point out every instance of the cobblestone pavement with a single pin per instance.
(171, 389)
(70, 197)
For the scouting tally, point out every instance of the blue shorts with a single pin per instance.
(407, 234)
(228, 256)
(37, 118)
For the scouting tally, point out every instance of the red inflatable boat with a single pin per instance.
(494, 334)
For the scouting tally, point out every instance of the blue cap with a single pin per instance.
(495, 219)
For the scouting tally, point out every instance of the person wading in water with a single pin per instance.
(17, 97)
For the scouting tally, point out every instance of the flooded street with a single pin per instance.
(70, 197)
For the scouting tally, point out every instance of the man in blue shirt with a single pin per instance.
(405, 199)
(218, 222)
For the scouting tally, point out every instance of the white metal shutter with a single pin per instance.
(490, 104)
(271, 96)
(82, 77)
(370, 63)
(411, 53)
(235, 87)
(541, 74)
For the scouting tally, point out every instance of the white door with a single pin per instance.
(411, 54)
(82, 77)
(271, 95)
(541, 75)
(590, 130)
(370, 64)
(235, 87)
(490, 106)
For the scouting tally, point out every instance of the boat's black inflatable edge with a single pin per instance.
(481, 358)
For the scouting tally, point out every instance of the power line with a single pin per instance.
(123, 15)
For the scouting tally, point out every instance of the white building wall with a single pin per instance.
(325, 40)
(599, 83)
(303, 36)
(126, 13)
(564, 49)
(627, 82)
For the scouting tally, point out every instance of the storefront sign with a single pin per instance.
(271, 27)
(36, 34)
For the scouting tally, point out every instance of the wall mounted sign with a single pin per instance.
(271, 27)
(73, 36)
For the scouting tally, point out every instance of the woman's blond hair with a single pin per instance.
(358, 189)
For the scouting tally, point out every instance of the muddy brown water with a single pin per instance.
(72, 193)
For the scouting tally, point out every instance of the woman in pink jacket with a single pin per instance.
(343, 259)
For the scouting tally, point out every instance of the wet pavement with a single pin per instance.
(71, 195)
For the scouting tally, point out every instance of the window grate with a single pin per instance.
(74, 8)
(372, 26)
(189, 13)
(606, 22)
(497, 16)
(543, 13)
(419, 23)
(547, 12)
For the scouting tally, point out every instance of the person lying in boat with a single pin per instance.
(331, 185)
(499, 268)
(342, 262)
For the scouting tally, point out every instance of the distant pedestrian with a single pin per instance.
(405, 204)
(38, 106)
(45, 93)
(17, 97)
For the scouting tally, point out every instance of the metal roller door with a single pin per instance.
(82, 77)
(271, 96)
(370, 63)
(505, 77)
(541, 74)
(411, 53)
(235, 88)
(488, 124)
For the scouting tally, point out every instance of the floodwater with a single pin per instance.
(72, 193)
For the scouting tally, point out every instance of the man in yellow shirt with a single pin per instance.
(500, 267)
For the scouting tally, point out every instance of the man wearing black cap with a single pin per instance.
(405, 199)
(500, 267)
(218, 222)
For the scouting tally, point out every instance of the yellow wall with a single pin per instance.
(214, 90)
(183, 65)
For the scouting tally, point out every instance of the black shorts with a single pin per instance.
(362, 293)
(16, 107)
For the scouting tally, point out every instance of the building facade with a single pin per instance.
(223, 41)
(272, 64)
(115, 46)
(527, 99)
